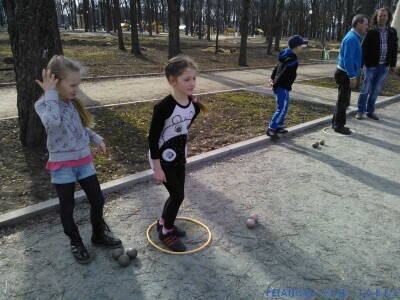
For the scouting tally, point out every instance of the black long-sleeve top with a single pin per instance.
(169, 129)
(284, 74)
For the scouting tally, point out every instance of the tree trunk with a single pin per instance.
(208, 20)
(94, 16)
(117, 18)
(135, 46)
(349, 14)
(147, 14)
(75, 16)
(102, 14)
(271, 30)
(85, 8)
(217, 21)
(2, 16)
(139, 13)
(244, 28)
(278, 32)
(173, 23)
(200, 22)
(191, 17)
(34, 40)
(108, 16)
(156, 15)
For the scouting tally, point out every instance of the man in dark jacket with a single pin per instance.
(379, 54)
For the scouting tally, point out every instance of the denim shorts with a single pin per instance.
(72, 174)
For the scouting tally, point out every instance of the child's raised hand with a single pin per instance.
(101, 148)
(270, 82)
(49, 81)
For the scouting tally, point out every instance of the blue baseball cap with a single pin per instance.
(296, 40)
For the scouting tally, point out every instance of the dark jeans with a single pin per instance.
(343, 102)
(175, 185)
(371, 88)
(95, 196)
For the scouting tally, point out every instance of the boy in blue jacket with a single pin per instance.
(281, 80)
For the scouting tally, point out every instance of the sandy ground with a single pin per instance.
(329, 220)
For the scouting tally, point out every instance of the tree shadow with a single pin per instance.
(376, 142)
(369, 179)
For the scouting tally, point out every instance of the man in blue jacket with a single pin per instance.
(379, 54)
(348, 70)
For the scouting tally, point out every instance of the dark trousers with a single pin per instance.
(175, 185)
(65, 193)
(343, 102)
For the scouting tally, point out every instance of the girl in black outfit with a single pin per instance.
(169, 127)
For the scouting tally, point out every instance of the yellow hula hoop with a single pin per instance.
(185, 252)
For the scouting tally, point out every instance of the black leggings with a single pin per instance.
(65, 192)
(175, 185)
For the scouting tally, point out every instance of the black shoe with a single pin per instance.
(281, 130)
(272, 134)
(179, 232)
(102, 237)
(172, 242)
(80, 253)
(343, 130)
(373, 116)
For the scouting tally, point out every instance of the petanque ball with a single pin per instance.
(254, 217)
(123, 260)
(322, 142)
(251, 223)
(117, 253)
(131, 252)
(315, 145)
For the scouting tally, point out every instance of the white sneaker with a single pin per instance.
(360, 116)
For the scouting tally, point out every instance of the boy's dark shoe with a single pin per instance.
(273, 134)
(373, 116)
(281, 130)
(343, 130)
(172, 242)
(102, 236)
(179, 232)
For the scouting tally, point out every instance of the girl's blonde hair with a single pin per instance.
(60, 65)
(176, 66)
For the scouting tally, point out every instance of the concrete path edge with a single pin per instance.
(20, 215)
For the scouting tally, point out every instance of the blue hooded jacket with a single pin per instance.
(284, 73)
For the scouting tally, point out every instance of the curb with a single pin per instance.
(23, 214)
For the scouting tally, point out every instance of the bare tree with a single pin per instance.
(108, 16)
(208, 20)
(117, 21)
(244, 28)
(135, 46)
(34, 37)
(218, 26)
(174, 7)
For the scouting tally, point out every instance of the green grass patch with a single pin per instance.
(233, 117)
